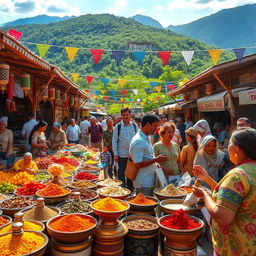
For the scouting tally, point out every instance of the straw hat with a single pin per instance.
(192, 131)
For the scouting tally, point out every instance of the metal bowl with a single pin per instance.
(89, 199)
(11, 211)
(101, 195)
(110, 214)
(28, 196)
(169, 210)
(118, 183)
(72, 187)
(143, 208)
(54, 199)
(91, 172)
(163, 197)
(77, 153)
(63, 213)
(70, 237)
(7, 218)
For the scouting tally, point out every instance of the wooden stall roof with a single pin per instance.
(23, 60)
(220, 69)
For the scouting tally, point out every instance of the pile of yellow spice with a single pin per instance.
(109, 204)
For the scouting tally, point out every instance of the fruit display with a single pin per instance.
(16, 178)
(41, 176)
(56, 169)
(30, 189)
(7, 187)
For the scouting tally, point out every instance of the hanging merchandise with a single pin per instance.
(25, 83)
(51, 93)
(57, 94)
(10, 87)
(71, 100)
(45, 91)
(4, 76)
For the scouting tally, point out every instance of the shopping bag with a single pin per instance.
(131, 171)
(161, 177)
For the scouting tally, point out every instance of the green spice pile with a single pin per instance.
(75, 207)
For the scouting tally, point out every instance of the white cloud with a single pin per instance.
(140, 11)
(118, 6)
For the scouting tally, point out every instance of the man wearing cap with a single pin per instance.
(57, 138)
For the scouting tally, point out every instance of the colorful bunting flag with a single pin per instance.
(71, 52)
(185, 80)
(115, 99)
(135, 91)
(105, 97)
(239, 52)
(124, 92)
(103, 91)
(86, 90)
(113, 92)
(15, 33)
(215, 55)
(96, 54)
(165, 56)
(97, 92)
(147, 90)
(158, 89)
(89, 79)
(139, 56)
(75, 77)
(121, 82)
(181, 84)
(187, 55)
(118, 55)
(170, 86)
(105, 81)
(42, 49)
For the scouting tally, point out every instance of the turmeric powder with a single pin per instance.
(109, 204)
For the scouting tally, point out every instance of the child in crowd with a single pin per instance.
(105, 160)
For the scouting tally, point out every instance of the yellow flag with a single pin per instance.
(150, 98)
(42, 49)
(75, 77)
(102, 91)
(215, 55)
(71, 52)
(121, 82)
(181, 84)
(122, 99)
(185, 80)
(158, 88)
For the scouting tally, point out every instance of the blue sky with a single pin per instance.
(167, 12)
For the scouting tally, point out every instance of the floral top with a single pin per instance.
(236, 192)
(37, 139)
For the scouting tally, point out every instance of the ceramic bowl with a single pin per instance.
(163, 197)
(102, 195)
(54, 199)
(143, 208)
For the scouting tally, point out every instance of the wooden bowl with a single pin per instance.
(163, 197)
(70, 237)
(142, 208)
(54, 199)
(101, 195)
(63, 203)
(117, 183)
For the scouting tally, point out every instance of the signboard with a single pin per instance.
(247, 97)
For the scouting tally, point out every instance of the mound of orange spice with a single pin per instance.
(109, 204)
(53, 190)
(72, 223)
(3, 220)
(142, 200)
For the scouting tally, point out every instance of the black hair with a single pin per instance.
(63, 122)
(149, 118)
(35, 128)
(125, 110)
(137, 119)
(245, 138)
(247, 120)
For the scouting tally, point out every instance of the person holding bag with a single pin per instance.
(142, 155)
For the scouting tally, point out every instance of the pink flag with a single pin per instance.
(16, 34)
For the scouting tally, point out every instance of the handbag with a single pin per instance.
(130, 170)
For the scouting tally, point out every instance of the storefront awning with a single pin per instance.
(173, 107)
(247, 97)
(212, 103)
(189, 104)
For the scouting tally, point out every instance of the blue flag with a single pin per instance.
(118, 55)
(105, 81)
(239, 52)
(139, 56)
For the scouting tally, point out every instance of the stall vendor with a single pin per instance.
(57, 138)
(26, 164)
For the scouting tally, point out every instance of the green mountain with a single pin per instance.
(109, 32)
(229, 28)
(145, 20)
(39, 19)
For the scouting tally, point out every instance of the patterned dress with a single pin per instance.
(236, 192)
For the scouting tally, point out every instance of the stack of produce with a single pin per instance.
(17, 202)
(85, 176)
(30, 189)
(52, 190)
(41, 176)
(72, 223)
(16, 178)
(109, 204)
(7, 187)
(3, 197)
(171, 190)
(141, 200)
(56, 169)
(113, 191)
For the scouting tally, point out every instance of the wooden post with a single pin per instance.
(47, 85)
(34, 102)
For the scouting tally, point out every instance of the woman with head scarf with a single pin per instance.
(203, 129)
(37, 139)
(57, 138)
(6, 142)
(26, 164)
(210, 157)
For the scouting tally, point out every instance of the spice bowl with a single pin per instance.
(69, 201)
(70, 237)
(83, 191)
(121, 197)
(163, 197)
(7, 218)
(117, 183)
(11, 211)
(171, 205)
(70, 185)
(142, 209)
(54, 199)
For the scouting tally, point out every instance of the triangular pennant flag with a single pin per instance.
(113, 92)
(150, 98)
(239, 52)
(118, 55)
(121, 82)
(71, 52)
(187, 55)
(105, 81)
(147, 90)
(135, 91)
(96, 54)
(75, 77)
(139, 56)
(97, 92)
(170, 86)
(215, 55)
(181, 84)
(158, 89)
(15, 33)
(153, 84)
(138, 100)
(89, 79)
(130, 100)
(124, 92)
(115, 99)
(103, 91)
(86, 90)
(165, 56)
(185, 80)
(105, 97)
(42, 49)
(122, 99)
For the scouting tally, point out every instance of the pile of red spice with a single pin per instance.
(85, 176)
(179, 220)
(30, 188)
